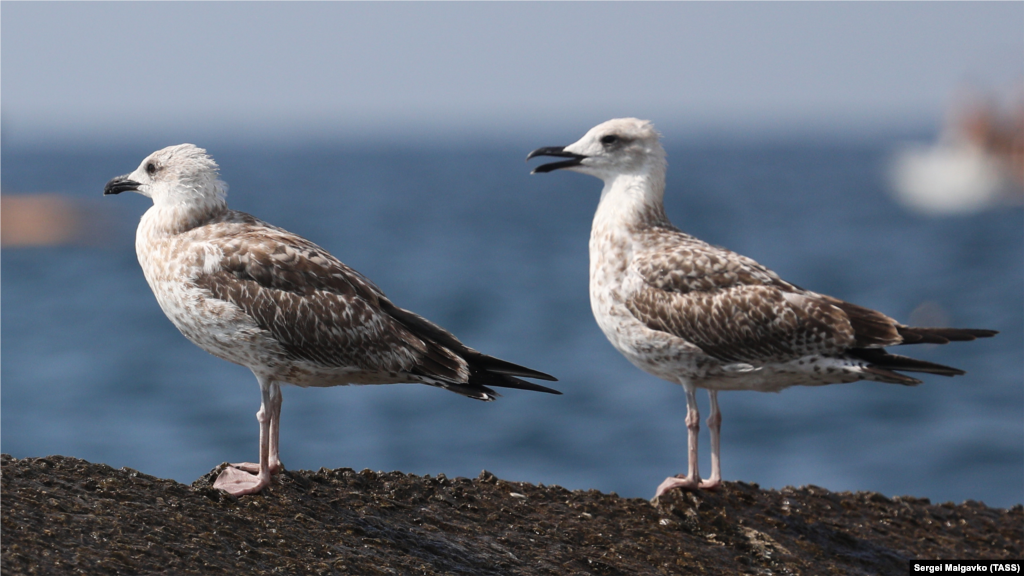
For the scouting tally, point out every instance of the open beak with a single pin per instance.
(120, 184)
(559, 151)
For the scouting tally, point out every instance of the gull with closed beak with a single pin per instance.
(278, 304)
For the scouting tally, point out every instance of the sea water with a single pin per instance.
(466, 237)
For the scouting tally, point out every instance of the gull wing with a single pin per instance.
(735, 309)
(325, 312)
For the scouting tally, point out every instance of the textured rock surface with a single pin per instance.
(66, 516)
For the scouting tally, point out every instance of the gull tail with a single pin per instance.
(446, 355)
(497, 379)
(481, 381)
(915, 335)
(499, 366)
(883, 366)
(487, 371)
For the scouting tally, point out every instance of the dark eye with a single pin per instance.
(150, 168)
(609, 139)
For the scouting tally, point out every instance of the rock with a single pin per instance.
(62, 515)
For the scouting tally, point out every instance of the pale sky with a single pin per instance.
(97, 71)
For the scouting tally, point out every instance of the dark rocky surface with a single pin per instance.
(62, 515)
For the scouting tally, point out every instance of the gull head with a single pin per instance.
(176, 175)
(624, 146)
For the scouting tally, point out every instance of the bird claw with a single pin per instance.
(710, 484)
(238, 483)
(673, 482)
(250, 467)
(254, 468)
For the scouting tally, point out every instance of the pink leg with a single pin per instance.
(715, 425)
(234, 480)
(275, 430)
(274, 409)
(692, 480)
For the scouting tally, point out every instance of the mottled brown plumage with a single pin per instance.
(272, 301)
(707, 317)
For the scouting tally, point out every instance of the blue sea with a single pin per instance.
(91, 368)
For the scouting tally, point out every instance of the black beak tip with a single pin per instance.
(558, 152)
(535, 153)
(548, 151)
(120, 184)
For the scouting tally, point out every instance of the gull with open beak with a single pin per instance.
(705, 317)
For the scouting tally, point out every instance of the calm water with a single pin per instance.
(92, 369)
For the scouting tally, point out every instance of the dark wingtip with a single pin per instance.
(506, 368)
(517, 384)
(892, 377)
(524, 372)
(918, 335)
(882, 360)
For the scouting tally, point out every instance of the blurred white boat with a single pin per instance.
(977, 164)
(951, 178)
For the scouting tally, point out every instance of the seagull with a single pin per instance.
(705, 317)
(283, 307)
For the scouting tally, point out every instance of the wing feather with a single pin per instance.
(324, 312)
(735, 309)
(319, 309)
(746, 323)
(728, 305)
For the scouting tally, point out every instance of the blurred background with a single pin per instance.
(868, 151)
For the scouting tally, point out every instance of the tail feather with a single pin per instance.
(870, 327)
(499, 366)
(881, 359)
(883, 375)
(918, 335)
(482, 393)
(445, 354)
(480, 383)
(481, 375)
(517, 384)
(884, 365)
